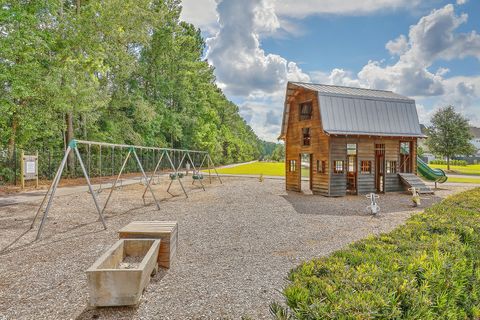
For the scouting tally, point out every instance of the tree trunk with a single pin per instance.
(448, 163)
(12, 139)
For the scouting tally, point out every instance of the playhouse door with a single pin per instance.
(380, 168)
(352, 174)
(406, 157)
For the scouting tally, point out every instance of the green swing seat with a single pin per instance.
(174, 176)
(197, 176)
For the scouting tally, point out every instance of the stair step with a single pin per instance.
(411, 180)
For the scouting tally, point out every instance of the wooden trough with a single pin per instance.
(120, 275)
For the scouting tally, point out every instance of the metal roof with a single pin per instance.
(358, 111)
(341, 91)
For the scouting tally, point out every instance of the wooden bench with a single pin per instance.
(165, 230)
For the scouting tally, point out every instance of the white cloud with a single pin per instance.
(301, 9)
(243, 69)
(201, 13)
(461, 2)
(258, 78)
(241, 66)
(432, 39)
(398, 46)
(425, 114)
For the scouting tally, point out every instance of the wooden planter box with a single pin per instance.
(165, 230)
(120, 275)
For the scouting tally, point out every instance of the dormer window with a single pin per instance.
(306, 110)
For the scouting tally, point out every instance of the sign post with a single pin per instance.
(29, 169)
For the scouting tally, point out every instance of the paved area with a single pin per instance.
(237, 242)
(35, 195)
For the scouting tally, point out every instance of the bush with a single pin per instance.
(426, 269)
(462, 163)
(7, 175)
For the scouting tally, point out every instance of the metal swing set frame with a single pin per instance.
(164, 152)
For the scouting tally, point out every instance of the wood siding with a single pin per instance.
(334, 148)
(294, 144)
(366, 152)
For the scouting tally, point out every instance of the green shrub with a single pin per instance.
(426, 269)
(462, 163)
(6, 175)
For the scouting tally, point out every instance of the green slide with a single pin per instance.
(437, 175)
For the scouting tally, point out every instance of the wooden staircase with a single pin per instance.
(411, 180)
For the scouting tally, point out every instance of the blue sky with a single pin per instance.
(428, 50)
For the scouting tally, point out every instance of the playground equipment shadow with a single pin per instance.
(237, 241)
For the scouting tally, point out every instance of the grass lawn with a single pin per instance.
(470, 169)
(278, 169)
(257, 168)
(464, 180)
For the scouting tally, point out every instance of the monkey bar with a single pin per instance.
(132, 152)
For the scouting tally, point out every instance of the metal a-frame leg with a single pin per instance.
(153, 174)
(53, 187)
(181, 162)
(46, 195)
(197, 172)
(145, 177)
(214, 169)
(176, 172)
(169, 185)
(201, 165)
(201, 183)
(116, 180)
(90, 187)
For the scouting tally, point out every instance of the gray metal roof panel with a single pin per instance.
(352, 115)
(359, 111)
(326, 89)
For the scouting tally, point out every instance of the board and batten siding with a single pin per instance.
(338, 181)
(392, 153)
(365, 152)
(318, 147)
(329, 148)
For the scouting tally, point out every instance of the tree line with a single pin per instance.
(122, 71)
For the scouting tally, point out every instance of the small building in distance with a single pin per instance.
(353, 140)
(476, 138)
(475, 141)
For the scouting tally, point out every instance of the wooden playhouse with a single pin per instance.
(351, 140)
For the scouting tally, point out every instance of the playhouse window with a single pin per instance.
(338, 166)
(366, 166)
(306, 136)
(352, 149)
(306, 111)
(321, 166)
(404, 147)
(292, 167)
(391, 166)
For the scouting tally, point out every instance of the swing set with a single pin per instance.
(186, 156)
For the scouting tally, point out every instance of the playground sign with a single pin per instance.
(29, 169)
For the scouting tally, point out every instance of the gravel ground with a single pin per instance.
(237, 242)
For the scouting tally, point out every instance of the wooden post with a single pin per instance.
(22, 170)
(36, 166)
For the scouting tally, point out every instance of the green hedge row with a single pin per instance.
(426, 269)
(452, 162)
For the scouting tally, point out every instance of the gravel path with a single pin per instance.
(237, 242)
